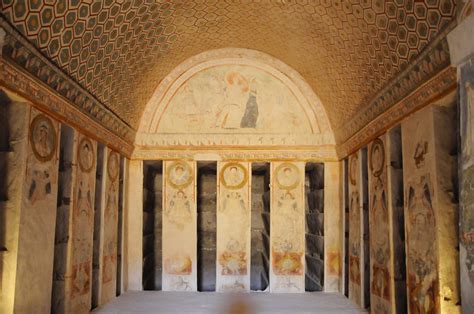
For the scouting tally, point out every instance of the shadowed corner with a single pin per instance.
(5, 104)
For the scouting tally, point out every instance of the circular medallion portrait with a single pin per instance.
(287, 176)
(179, 174)
(86, 156)
(234, 176)
(113, 166)
(377, 157)
(43, 138)
(353, 168)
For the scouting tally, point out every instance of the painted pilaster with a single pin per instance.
(333, 227)
(355, 228)
(461, 48)
(13, 157)
(233, 227)
(179, 226)
(430, 214)
(133, 219)
(79, 266)
(287, 231)
(109, 225)
(34, 271)
(382, 298)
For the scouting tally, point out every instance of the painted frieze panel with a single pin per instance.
(287, 230)
(381, 275)
(38, 215)
(79, 280)
(110, 225)
(179, 226)
(233, 226)
(355, 251)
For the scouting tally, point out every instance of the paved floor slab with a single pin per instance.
(207, 302)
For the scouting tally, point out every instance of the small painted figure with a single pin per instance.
(249, 120)
(40, 186)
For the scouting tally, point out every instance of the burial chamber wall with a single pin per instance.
(50, 187)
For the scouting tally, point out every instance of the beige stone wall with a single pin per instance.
(355, 226)
(287, 231)
(233, 226)
(133, 222)
(431, 235)
(179, 226)
(34, 268)
(333, 232)
(109, 225)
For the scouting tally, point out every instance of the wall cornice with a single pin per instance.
(439, 86)
(20, 60)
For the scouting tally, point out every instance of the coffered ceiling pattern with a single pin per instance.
(120, 50)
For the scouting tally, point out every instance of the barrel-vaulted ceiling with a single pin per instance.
(120, 50)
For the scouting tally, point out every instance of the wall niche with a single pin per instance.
(260, 227)
(206, 225)
(314, 228)
(152, 224)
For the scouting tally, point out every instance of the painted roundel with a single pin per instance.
(179, 174)
(113, 166)
(377, 157)
(353, 168)
(86, 156)
(234, 176)
(287, 176)
(43, 138)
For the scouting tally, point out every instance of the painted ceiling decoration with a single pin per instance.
(359, 57)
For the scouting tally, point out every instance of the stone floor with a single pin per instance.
(195, 302)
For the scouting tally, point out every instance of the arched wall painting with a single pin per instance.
(235, 98)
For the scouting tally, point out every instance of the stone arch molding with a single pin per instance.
(164, 125)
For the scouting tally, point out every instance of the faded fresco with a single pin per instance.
(234, 99)
(43, 142)
(467, 185)
(379, 224)
(110, 225)
(233, 227)
(431, 208)
(80, 278)
(354, 229)
(38, 214)
(179, 226)
(287, 231)
(422, 278)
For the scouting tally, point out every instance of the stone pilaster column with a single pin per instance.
(461, 46)
(179, 226)
(356, 244)
(34, 268)
(233, 226)
(133, 221)
(333, 232)
(13, 156)
(287, 230)
(109, 227)
(429, 162)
